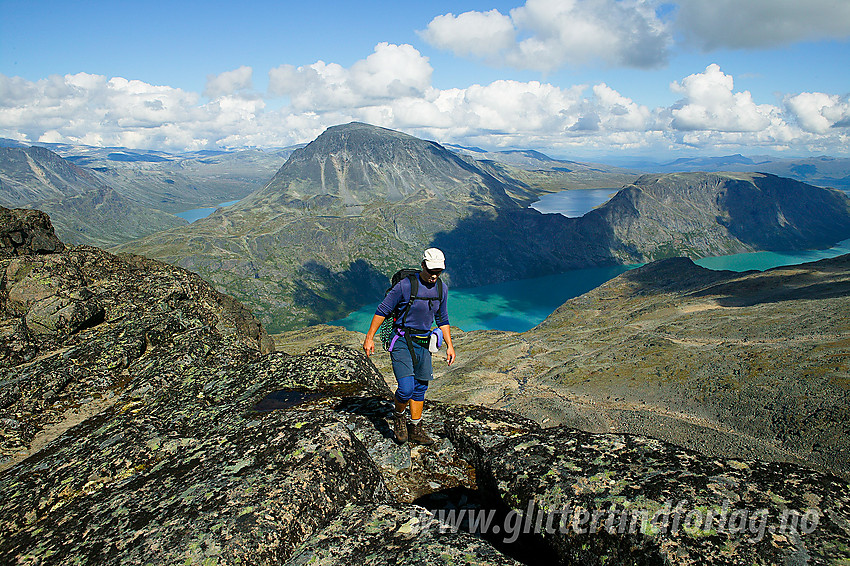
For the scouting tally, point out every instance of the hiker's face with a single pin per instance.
(430, 276)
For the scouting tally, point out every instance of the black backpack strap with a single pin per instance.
(414, 289)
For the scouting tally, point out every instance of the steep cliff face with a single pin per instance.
(36, 174)
(703, 214)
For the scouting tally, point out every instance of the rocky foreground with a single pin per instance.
(146, 419)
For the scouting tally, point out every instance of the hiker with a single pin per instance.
(412, 333)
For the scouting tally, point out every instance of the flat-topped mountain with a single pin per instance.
(709, 214)
(359, 202)
(84, 209)
(821, 171)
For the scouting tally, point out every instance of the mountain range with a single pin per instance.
(107, 196)
(821, 171)
(84, 208)
(360, 202)
(172, 182)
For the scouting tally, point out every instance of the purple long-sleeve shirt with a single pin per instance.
(422, 312)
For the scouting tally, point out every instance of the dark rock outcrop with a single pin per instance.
(25, 232)
(621, 499)
(105, 312)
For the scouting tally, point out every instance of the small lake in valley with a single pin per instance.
(574, 202)
(198, 213)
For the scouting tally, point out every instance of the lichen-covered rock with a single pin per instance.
(622, 499)
(181, 468)
(62, 315)
(103, 312)
(379, 535)
(25, 231)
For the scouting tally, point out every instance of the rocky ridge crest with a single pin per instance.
(205, 449)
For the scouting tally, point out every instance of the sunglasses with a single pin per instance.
(432, 271)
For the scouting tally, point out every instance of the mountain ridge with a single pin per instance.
(84, 209)
(726, 363)
(339, 217)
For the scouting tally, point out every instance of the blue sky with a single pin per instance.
(572, 78)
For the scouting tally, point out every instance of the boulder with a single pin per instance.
(625, 499)
(26, 232)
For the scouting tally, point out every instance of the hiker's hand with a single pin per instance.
(450, 354)
(369, 346)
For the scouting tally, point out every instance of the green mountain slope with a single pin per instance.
(84, 209)
(747, 365)
(360, 202)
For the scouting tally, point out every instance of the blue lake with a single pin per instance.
(520, 305)
(513, 305)
(573, 203)
(198, 213)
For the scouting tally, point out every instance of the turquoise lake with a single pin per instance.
(520, 305)
(198, 213)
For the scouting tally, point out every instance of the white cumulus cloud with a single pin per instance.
(471, 33)
(548, 34)
(229, 82)
(392, 71)
(761, 23)
(710, 103)
(392, 88)
(818, 112)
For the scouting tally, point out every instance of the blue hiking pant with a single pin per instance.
(412, 378)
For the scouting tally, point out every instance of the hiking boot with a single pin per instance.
(400, 428)
(417, 435)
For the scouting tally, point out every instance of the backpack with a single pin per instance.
(388, 327)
